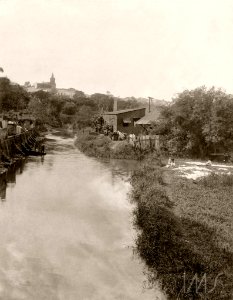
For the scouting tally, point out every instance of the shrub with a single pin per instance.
(123, 150)
(103, 146)
(94, 146)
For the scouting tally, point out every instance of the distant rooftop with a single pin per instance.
(117, 112)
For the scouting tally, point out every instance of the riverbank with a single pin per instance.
(185, 230)
(184, 225)
(16, 147)
(101, 146)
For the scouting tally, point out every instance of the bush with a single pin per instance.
(103, 147)
(94, 146)
(123, 150)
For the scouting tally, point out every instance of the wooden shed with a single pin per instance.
(125, 120)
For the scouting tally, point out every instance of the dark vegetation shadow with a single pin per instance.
(181, 253)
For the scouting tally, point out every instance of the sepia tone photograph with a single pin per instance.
(116, 150)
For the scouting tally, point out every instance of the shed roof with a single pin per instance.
(149, 118)
(117, 112)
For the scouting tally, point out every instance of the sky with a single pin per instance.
(138, 48)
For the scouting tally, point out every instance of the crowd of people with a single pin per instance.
(106, 129)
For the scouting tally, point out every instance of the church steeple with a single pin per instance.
(53, 82)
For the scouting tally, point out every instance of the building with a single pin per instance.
(145, 122)
(12, 123)
(66, 92)
(49, 87)
(124, 120)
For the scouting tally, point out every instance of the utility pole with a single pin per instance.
(150, 99)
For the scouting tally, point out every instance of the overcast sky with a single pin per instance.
(128, 47)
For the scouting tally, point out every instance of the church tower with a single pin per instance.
(53, 83)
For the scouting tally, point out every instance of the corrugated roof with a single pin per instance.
(117, 112)
(149, 118)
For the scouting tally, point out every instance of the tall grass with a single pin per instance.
(217, 180)
(91, 145)
(185, 228)
(103, 147)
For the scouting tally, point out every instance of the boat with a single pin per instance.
(35, 153)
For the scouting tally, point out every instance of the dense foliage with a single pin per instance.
(198, 122)
(78, 112)
(103, 147)
(58, 110)
(12, 96)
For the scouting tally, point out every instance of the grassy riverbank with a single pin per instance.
(101, 146)
(185, 226)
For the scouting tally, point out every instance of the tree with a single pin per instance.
(12, 96)
(47, 107)
(84, 116)
(38, 109)
(79, 94)
(198, 122)
(41, 95)
(127, 103)
(69, 108)
(102, 102)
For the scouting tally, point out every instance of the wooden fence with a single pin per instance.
(7, 145)
(146, 142)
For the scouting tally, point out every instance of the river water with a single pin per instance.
(66, 229)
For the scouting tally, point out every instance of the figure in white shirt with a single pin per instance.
(209, 163)
(171, 162)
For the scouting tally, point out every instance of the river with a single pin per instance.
(66, 229)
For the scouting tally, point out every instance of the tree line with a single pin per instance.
(197, 122)
(59, 110)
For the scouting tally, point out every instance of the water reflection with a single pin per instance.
(120, 169)
(66, 230)
(9, 178)
(3, 185)
(16, 168)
